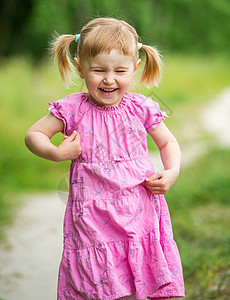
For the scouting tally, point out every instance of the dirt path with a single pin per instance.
(216, 118)
(30, 258)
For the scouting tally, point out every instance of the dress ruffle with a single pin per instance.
(116, 269)
(55, 109)
(146, 264)
(121, 105)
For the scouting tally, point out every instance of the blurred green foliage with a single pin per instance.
(173, 25)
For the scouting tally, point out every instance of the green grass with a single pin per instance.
(200, 210)
(199, 200)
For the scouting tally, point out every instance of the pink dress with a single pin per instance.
(118, 237)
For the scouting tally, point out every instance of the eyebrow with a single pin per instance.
(96, 67)
(122, 67)
(104, 67)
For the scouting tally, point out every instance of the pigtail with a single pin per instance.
(60, 49)
(152, 69)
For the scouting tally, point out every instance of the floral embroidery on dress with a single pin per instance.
(80, 214)
(99, 246)
(89, 132)
(77, 182)
(107, 170)
(100, 281)
(106, 224)
(71, 115)
(113, 203)
(100, 145)
(129, 129)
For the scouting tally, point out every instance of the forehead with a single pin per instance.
(103, 38)
(114, 58)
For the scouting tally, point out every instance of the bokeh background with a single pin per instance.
(194, 40)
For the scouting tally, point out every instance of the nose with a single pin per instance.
(109, 79)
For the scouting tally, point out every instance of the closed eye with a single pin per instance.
(98, 71)
(120, 71)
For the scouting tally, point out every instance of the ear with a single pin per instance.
(79, 68)
(137, 64)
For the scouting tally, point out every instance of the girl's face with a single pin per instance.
(108, 76)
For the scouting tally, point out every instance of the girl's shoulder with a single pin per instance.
(75, 99)
(147, 110)
(69, 109)
(135, 98)
(70, 103)
(142, 102)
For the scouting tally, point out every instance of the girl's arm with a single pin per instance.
(38, 137)
(161, 182)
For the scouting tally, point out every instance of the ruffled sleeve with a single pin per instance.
(68, 110)
(148, 111)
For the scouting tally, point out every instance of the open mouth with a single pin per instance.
(108, 90)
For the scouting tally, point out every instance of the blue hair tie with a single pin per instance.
(77, 37)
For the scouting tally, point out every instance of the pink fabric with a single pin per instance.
(118, 237)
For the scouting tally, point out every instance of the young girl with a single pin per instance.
(118, 240)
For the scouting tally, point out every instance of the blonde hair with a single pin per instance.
(102, 35)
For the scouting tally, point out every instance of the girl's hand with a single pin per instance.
(161, 182)
(70, 148)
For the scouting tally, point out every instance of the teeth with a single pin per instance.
(107, 90)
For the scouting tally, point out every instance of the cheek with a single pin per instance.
(90, 81)
(126, 80)
(94, 79)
